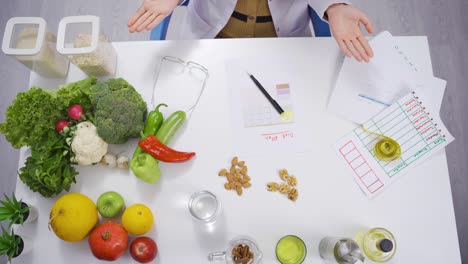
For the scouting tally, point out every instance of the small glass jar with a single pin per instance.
(28, 40)
(229, 256)
(81, 38)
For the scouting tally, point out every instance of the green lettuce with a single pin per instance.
(29, 118)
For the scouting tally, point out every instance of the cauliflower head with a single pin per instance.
(87, 146)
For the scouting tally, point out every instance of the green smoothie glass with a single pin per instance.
(291, 250)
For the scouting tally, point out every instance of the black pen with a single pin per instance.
(268, 96)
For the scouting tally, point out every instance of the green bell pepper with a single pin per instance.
(145, 167)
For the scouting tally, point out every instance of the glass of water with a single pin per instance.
(204, 206)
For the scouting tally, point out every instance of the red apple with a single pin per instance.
(143, 249)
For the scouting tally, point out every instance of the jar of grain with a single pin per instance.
(81, 38)
(28, 40)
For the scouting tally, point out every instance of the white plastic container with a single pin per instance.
(27, 39)
(81, 38)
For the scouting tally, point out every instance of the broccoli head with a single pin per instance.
(119, 110)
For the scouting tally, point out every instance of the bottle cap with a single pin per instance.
(386, 245)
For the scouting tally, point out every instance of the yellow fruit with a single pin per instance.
(73, 216)
(137, 219)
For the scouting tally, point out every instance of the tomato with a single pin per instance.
(108, 241)
(143, 249)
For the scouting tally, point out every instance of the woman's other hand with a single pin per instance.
(345, 24)
(150, 14)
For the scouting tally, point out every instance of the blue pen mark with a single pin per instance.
(372, 99)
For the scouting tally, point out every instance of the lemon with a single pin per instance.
(73, 216)
(137, 219)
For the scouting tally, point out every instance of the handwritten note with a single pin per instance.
(417, 129)
(278, 136)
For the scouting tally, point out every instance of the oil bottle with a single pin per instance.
(378, 244)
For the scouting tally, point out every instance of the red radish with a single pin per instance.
(75, 112)
(61, 124)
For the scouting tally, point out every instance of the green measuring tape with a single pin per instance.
(385, 149)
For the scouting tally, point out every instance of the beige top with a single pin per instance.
(251, 18)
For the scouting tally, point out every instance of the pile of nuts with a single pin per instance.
(287, 187)
(236, 176)
(241, 254)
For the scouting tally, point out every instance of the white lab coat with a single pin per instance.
(206, 18)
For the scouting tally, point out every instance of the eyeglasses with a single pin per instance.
(190, 65)
(193, 75)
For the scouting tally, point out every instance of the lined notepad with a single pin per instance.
(410, 122)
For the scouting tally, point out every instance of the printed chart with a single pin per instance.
(419, 132)
(361, 168)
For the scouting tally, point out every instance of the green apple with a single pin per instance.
(110, 204)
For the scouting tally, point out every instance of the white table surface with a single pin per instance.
(418, 208)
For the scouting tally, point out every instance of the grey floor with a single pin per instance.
(444, 22)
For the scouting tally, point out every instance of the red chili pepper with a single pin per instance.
(159, 151)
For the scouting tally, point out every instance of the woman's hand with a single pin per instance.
(150, 14)
(345, 21)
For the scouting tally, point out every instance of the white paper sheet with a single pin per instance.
(257, 126)
(413, 124)
(364, 89)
